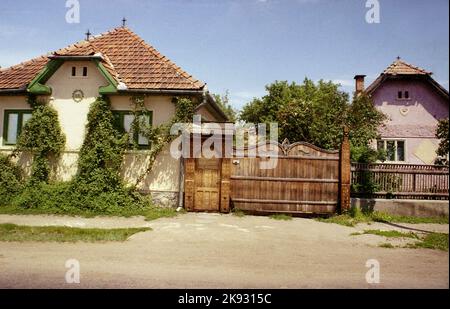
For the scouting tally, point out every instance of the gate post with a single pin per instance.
(344, 172)
(189, 175)
(225, 186)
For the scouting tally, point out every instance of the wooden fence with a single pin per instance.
(400, 181)
(306, 179)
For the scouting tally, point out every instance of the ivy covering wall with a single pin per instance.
(97, 188)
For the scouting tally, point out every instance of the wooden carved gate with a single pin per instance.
(306, 179)
(207, 183)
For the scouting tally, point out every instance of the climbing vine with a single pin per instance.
(159, 136)
(42, 136)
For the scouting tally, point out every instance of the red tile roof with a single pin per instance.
(402, 69)
(399, 67)
(18, 76)
(126, 57)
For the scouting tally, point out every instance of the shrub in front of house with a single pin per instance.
(10, 180)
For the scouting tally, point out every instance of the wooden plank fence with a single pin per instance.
(306, 179)
(402, 181)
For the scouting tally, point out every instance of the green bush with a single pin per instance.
(10, 180)
(97, 188)
(69, 198)
(42, 136)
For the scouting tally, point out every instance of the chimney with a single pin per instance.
(359, 83)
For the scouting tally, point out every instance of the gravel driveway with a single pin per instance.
(221, 251)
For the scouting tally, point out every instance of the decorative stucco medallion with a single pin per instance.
(78, 96)
(404, 110)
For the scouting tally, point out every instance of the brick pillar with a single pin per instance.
(225, 186)
(189, 176)
(344, 173)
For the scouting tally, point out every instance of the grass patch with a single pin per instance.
(383, 217)
(281, 217)
(345, 219)
(390, 234)
(355, 216)
(238, 212)
(150, 213)
(437, 241)
(386, 245)
(12, 232)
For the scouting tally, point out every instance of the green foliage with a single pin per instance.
(97, 187)
(281, 217)
(43, 137)
(366, 154)
(363, 120)
(160, 136)
(238, 212)
(102, 151)
(315, 113)
(435, 241)
(443, 150)
(12, 232)
(355, 216)
(390, 234)
(366, 184)
(224, 103)
(10, 180)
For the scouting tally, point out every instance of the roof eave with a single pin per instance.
(163, 91)
(16, 91)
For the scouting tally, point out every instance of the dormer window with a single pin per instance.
(403, 95)
(79, 72)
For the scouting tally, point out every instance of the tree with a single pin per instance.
(443, 149)
(224, 103)
(315, 113)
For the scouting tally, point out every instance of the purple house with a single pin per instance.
(414, 103)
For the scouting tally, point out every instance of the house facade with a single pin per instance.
(413, 103)
(117, 64)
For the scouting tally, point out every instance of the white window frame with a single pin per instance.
(395, 140)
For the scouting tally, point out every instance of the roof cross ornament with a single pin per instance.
(88, 35)
(124, 22)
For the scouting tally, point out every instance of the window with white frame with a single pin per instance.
(395, 149)
(13, 122)
(124, 120)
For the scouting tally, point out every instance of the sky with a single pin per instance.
(243, 45)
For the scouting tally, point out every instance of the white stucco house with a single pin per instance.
(118, 64)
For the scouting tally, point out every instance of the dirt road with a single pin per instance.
(221, 251)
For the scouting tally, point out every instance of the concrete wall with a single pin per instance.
(415, 208)
(413, 120)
